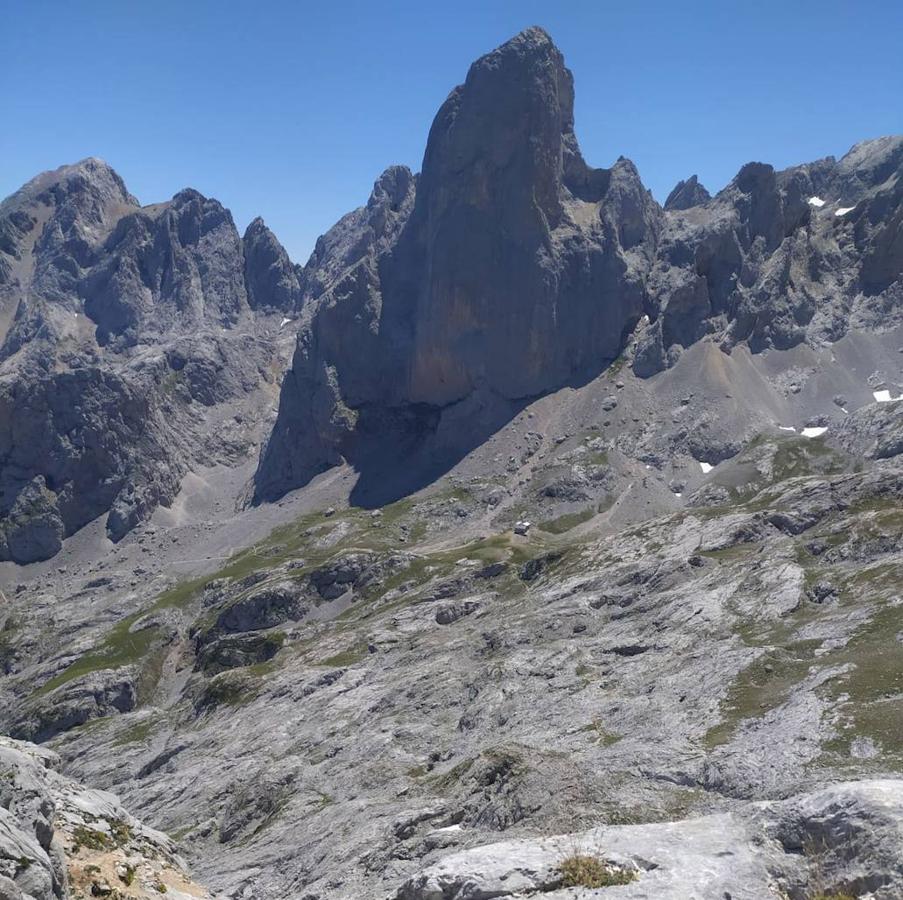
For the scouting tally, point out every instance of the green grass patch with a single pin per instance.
(444, 781)
(762, 686)
(135, 734)
(120, 648)
(348, 657)
(873, 687)
(567, 521)
(599, 735)
(82, 836)
(232, 688)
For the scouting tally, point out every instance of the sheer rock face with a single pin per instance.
(514, 270)
(114, 319)
(518, 284)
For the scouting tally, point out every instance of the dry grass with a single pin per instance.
(581, 870)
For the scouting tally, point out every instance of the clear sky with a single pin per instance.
(290, 110)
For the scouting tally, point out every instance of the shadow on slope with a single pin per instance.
(399, 452)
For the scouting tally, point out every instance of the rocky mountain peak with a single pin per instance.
(272, 280)
(515, 270)
(114, 320)
(502, 129)
(88, 176)
(392, 188)
(868, 165)
(687, 194)
(53, 222)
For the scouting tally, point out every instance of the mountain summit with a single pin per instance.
(516, 270)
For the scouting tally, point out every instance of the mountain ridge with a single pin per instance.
(528, 519)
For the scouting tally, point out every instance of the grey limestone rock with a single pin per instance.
(510, 268)
(114, 319)
(518, 269)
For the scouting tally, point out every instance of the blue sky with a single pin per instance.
(290, 110)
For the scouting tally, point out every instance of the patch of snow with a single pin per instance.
(706, 467)
(844, 210)
(648, 466)
(813, 432)
(786, 428)
(816, 201)
(448, 828)
(885, 396)
(284, 322)
(678, 494)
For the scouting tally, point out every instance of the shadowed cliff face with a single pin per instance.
(517, 270)
(518, 286)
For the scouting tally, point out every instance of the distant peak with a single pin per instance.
(883, 153)
(187, 195)
(90, 174)
(754, 176)
(687, 194)
(92, 163)
(392, 186)
(92, 168)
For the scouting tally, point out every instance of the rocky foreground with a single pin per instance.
(850, 834)
(60, 839)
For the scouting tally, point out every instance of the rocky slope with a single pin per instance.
(59, 839)
(136, 342)
(597, 551)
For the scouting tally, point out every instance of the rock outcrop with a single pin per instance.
(271, 278)
(59, 839)
(844, 841)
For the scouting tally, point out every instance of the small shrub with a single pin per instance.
(88, 837)
(121, 832)
(580, 870)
